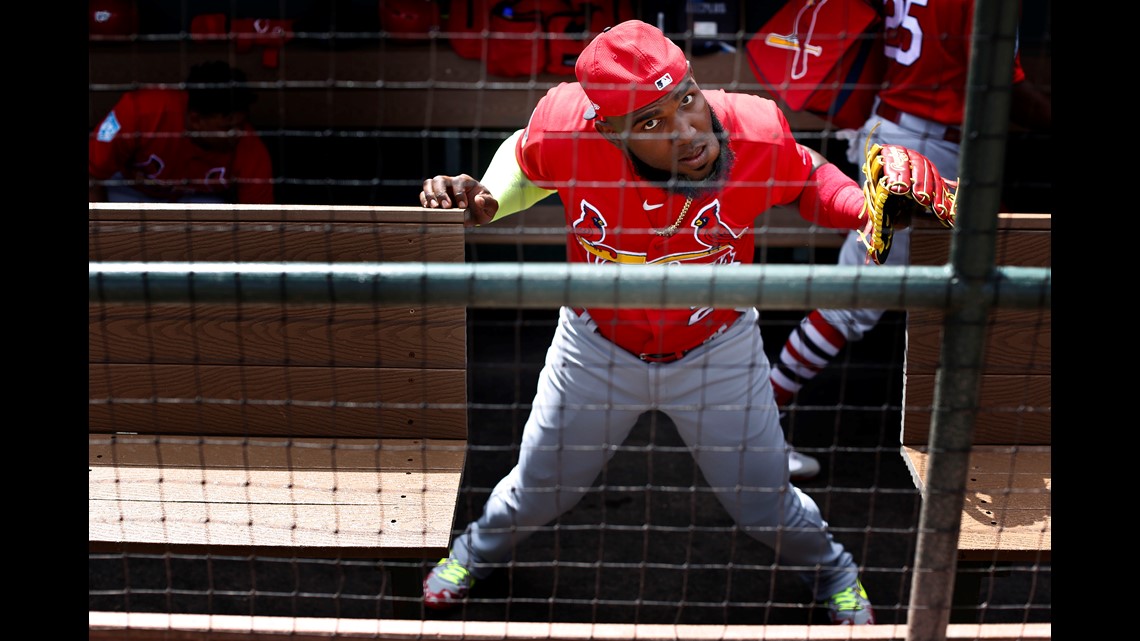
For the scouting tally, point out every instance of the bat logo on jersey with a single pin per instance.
(792, 41)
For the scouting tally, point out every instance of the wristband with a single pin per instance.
(832, 199)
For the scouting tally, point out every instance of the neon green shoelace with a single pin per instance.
(455, 572)
(848, 599)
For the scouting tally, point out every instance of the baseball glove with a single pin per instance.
(900, 182)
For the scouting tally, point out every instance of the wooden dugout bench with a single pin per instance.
(296, 431)
(390, 84)
(1006, 516)
(423, 86)
(385, 84)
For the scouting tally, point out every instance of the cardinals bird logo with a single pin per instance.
(710, 229)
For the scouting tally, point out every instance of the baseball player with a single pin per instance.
(191, 146)
(921, 106)
(654, 173)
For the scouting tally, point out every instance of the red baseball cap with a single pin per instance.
(627, 67)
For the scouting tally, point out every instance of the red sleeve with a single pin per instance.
(832, 199)
(528, 150)
(254, 171)
(792, 175)
(112, 144)
(764, 143)
(794, 162)
(556, 139)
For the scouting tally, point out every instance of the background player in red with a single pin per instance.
(921, 106)
(192, 145)
(654, 172)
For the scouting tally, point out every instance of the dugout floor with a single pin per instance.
(690, 566)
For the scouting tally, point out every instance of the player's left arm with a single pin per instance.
(830, 198)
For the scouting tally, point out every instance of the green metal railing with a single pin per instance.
(544, 286)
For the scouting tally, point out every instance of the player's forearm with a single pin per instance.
(832, 199)
(507, 182)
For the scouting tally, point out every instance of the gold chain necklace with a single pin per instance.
(672, 229)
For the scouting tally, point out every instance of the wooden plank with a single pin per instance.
(260, 529)
(293, 372)
(1006, 220)
(1017, 342)
(1017, 249)
(227, 452)
(276, 419)
(217, 334)
(235, 213)
(147, 626)
(285, 401)
(1011, 410)
(1007, 512)
(273, 242)
(1023, 240)
(350, 497)
(539, 225)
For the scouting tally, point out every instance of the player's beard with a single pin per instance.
(687, 187)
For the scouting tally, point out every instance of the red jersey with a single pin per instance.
(927, 45)
(144, 138)
(611, 213)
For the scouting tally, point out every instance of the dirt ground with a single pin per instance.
(650, 545)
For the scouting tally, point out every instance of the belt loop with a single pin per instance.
(663, 358)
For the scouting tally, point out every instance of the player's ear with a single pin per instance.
(608, 131)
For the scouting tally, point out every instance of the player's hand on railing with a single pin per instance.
(460, 192)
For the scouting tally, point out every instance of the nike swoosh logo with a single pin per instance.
(647, 207)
